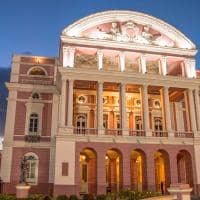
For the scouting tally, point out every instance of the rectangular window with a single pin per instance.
(65, 168)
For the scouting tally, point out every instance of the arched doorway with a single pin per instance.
(138, 170)
(162, 170)
(88, 176)
(113, 161)
(184, 164)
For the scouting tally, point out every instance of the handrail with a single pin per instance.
(133, 132)
(182, 134)
(114, 132)
(160, 133)
(85, 131)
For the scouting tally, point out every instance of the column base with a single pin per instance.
(148, 133)
(125, 132)
(101, 131)
(22, 190)
(170, 133)
(180, 191)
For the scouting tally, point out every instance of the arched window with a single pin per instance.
(35, 95)
(33, 123)
(138, 123)
(158, 124)
(30, 162)
(37, 71)
(81, 123)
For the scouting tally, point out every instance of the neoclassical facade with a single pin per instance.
(118, 108)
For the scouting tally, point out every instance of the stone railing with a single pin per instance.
(114, 132)
(36, 82)
(159, 133)
(85, 131)
(32, 138)
(136, 132)
(184, 134)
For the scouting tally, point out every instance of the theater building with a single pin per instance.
(118, 108)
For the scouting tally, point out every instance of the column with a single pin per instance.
(70, 104)
(192, 110)
(150, 167)
(142, 64)
(197, 103)
(163, 65)
(123, 116)
(173, 166)
(122, 60)
(63, 103)
(100, 59)
(190, 68)
(100, 108)
(68, 56)
(167, 109)
(145, 105)
(126, 168)
(101, 172)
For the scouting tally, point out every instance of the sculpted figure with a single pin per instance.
(146, 34)
(114, 29)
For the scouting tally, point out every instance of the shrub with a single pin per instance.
(88, 197)
(7, 197)
(73, 197)
(101, 197)
(62, 197)
(47, 198)
(35, 197)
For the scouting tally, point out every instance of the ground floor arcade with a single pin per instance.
(104, 167)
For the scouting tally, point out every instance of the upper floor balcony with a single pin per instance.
(113, 60)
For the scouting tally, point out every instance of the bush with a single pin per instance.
(88, 197)
(62, 197)
(36, 197)
(7, 197)
(47, 198)
(73, 197)
(101, 197)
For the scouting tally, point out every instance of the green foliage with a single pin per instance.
(36, 197)
(62, 197)
(88, 197)
(7, 197)
(132, 195)
(73, 197)
(101, 197)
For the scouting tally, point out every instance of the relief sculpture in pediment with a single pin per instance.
(131, 32)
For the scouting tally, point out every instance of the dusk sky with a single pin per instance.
(34, 26)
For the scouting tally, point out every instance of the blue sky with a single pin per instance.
(34, 25)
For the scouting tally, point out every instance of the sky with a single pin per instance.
(34, 26)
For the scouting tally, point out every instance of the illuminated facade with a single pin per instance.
(119, 108)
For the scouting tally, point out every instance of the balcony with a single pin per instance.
(159, 133)
(137, 133)
(85, 131)
(184, 134)
(114, 132)
(132, 133)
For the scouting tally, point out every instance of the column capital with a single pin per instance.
(145, 85)
(70, 80)
(99, 52)
(163, 58)
(143, 56)
(99, 82)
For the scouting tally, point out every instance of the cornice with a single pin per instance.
(30, 87)
(124, 139)
(129, 46)
(128, 78)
